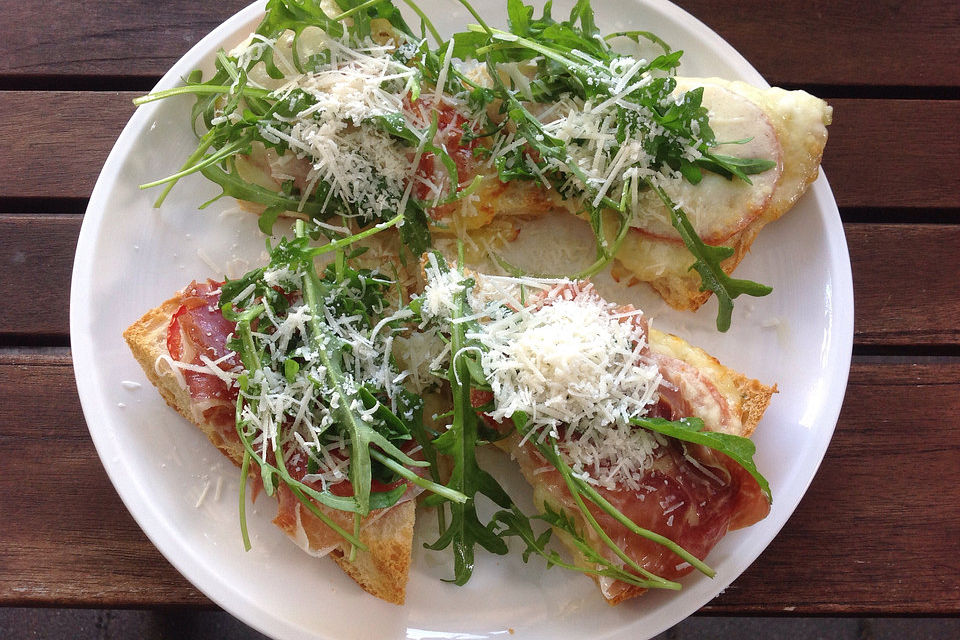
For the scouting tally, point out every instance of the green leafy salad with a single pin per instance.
(313, 115)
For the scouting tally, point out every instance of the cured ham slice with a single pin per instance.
(182, 347)
(688, 493)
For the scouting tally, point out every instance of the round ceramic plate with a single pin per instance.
(183, 493)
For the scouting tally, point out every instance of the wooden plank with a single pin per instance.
(905, 286)
(802, 42)
(881, 153)
(66, 538)
(876, 533)
(64, 150)
(36, 262)
(127, 38)
(891, 309)
(841, 43)
(893, 153)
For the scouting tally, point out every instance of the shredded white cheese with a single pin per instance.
(571, 362)
(365, 168)
(296, 407)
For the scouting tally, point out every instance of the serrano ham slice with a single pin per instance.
(688, 493)
(189, 325)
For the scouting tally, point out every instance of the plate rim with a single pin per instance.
(199, 576)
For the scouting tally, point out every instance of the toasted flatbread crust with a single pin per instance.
(388, 533)
(800, 122)
(747, 398)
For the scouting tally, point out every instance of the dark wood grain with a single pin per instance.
(36, 262)
(905, 285)
(55, 142)
(881, 43)
(881, 153)
(878, 531)
(128, 38)
(891, 309)
(885, 43)
(894, 153)
(870, 537)
(66, 538)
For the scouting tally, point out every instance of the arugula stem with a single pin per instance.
(352, 538)
(227, 65)
(476, 16)
(595, 497)
(607, 254)
(352, 556)
(426, 21)
(450, 494)
(366, 233)
(652, 37)
(578, 486)
(298, 490)
(575, 489)
(198, 89)
(213, 158)
(519, 41)
(202, 147)
(357, 9)
(251, 362)
(519, 525)
(244, 468)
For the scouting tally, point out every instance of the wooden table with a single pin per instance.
(878, 532)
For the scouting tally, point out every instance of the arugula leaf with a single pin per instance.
(737, 448)
(396, 125)
(514, 523)
(518, 16)
(731, 166)
(465, 529)
(415, 231)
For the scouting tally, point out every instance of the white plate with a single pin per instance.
(183, 493)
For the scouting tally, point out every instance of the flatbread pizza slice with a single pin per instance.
(684, 492)
(290, 374)
(788, 128)
(203, 399)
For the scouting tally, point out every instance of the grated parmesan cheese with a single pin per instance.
(293, 409)
(573, 363)
(366, 169)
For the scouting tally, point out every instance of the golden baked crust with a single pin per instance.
(747, 398)
(383, 570)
